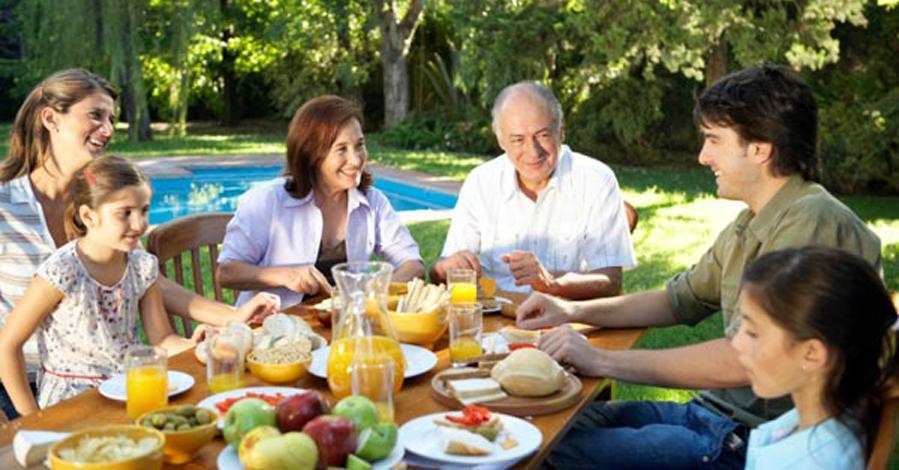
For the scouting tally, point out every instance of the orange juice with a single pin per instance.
(464, 293)
(385, 412)
(464, 348)
(146, 390)
(224, 382)
(343, 353)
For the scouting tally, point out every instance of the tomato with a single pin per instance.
(472, 415)
(514, 346)
(226, 404)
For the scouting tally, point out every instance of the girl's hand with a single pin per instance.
(258, 307)
(199, 334)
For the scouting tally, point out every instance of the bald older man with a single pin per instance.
(539, 217)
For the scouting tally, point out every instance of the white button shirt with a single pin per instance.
(578, 222)
(272, 228)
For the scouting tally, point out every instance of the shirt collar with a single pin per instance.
(760, 224)
(356, 198)
(509, 183)
(21, 190)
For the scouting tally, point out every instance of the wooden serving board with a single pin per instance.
(568, 395)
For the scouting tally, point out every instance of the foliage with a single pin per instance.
(431, 131)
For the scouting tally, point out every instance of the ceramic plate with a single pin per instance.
(228, 460)
(114, 387)
(418, 359)
(421, 436)
(497, 305)
(211, 400)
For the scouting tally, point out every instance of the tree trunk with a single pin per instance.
(134, 100)
(716, 64)
(395, 41)
(230, 105)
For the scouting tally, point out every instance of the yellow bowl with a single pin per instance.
(418, 328)
(397, 288)
(279, 373)
(393, 301)
(181, 446)
(147, 461)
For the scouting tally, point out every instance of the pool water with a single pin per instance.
(217, 189)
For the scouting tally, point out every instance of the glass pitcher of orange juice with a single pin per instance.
(362, 333)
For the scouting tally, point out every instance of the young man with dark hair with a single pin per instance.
(760, 130)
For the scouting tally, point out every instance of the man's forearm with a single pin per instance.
(642, 309)
(591, 285)
(409, 270)
(712, 364)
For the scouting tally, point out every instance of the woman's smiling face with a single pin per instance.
(82, 133)
(341, 169)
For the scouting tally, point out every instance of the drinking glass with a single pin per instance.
(146, 380)
(375, 381)
(463, 285)
(466, 325)
(224, 359)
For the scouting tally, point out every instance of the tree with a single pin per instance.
(396, 38)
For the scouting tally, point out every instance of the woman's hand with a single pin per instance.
(306, 280)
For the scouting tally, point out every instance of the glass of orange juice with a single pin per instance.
(224, 360)
(375, 381)
(466, 325)
(463, 285)
(146, 380)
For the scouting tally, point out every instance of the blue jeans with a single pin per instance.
(649, 435)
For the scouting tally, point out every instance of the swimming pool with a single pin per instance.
(217, 189)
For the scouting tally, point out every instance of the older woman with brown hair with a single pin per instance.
(286, 234)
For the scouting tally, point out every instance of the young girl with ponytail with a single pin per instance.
(817, 325)
(84, 299)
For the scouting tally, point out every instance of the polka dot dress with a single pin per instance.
(84, 340)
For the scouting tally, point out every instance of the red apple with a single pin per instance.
(335, 437)
(295, 411)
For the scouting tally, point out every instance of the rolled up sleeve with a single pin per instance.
(695, 294)
(393, 240)
(246, 235)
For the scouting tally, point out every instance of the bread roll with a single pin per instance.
(529, 373)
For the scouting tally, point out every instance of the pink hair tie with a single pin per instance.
(91, 180)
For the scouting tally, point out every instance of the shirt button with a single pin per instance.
(705, 459)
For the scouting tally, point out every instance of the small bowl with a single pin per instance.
(423, 329)
(279, 374)
(148, 461)
(182, 446)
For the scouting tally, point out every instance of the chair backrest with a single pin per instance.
(885, 440)
(170, 240)
(632, 216)
(3, 418)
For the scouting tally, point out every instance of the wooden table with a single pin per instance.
(92, 409)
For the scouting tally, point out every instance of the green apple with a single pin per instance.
(355, 463)
(376, 442)
(359, 409)
(246, 415)
(253, 437)
(288, 451)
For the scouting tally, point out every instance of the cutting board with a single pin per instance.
(568, 395)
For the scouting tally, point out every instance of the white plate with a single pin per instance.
(421, 436)
(211, 400)
(114, 387)
(418, 361)
(499, 305)
(228, 460)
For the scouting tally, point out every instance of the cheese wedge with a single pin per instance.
(459, 442)
(31, 447)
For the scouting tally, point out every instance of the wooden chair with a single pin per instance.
(3, 418)
(885, 440)
(171, 239)
(632, 216)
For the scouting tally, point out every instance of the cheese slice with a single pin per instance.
(459, 442)
(483, 398)
(468, 388)
(31, 447)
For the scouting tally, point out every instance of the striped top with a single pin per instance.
(25, 242)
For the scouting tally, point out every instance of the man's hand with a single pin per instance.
(461, 260)
(540, 310)
(567, 346)
(306, 280)
(258, 307)
(527, 271)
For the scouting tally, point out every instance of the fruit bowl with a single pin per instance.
(279, 374)
(423, 329)
(181, 446)
(151, 460)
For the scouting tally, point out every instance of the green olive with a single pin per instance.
(187, 411)
(204, 416)
(184, 427)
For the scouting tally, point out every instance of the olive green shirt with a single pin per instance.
(801, 213)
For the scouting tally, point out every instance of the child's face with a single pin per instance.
(772, 358)
(122, 219)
